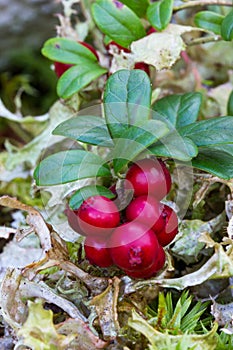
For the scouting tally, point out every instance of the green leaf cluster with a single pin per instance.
(85, 67)
(130, 128)
(216, 23)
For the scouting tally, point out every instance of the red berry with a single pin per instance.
(147, 210)
(97, 252)
(151, 270)
(151, 31)
(90, 47)
(98, 216)
(73, 220)
(142, 66)
(61, 68)
(149, 176)
(169, 221)
(133, 246)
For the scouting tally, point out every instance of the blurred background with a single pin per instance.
(24, 72)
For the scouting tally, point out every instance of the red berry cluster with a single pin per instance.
(134, 239)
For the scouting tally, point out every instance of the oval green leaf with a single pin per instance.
(83, 193)
(209, 20)
(178, 110)
(67, 51)
(217, 160)
(176, 147)
(117, 21)
(208, 132)
(159, 14)
(85, 128)
(77, 77)
(138, 6)
(136, 140)
(127, 99)
(230, 104)
(227, 27)
(68, 166)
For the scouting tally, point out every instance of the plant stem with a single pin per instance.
(204, 40)
(203, 3)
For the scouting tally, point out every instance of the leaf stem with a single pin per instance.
(204, 40)
(195, 3)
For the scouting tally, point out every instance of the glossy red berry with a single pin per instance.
(151, 270)
(169, 221)
(147, 210)
(60, 68)
(73, 220)
(149, 176)
(98, 216)
(142, 66)
(97, 252)
(133, 246)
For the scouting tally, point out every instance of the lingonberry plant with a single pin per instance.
(130, 127)
(135, 135)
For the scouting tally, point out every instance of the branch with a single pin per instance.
(202, 3)
(205, 40)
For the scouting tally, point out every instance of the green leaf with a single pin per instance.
(85, 128)
(209, 20)
(227, 27)
(136, 140)
(176, 147)
(83, 193)
(68, 166)
(230, 104)
(77, 77)
(208, 132)
(138, 6)
(217, 160)
(67, 51)
(127, 99)
(159, 13)
(178, 110)
(117, 21)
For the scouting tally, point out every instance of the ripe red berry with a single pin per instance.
(147, 210)
(151, 270)
(97, 252)
(61, 68)
(133, 246)
(98, 216)
(90, 47)
(151, 31)
(73, 220)
(149, 176)
(142, 66)
(169, 221)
